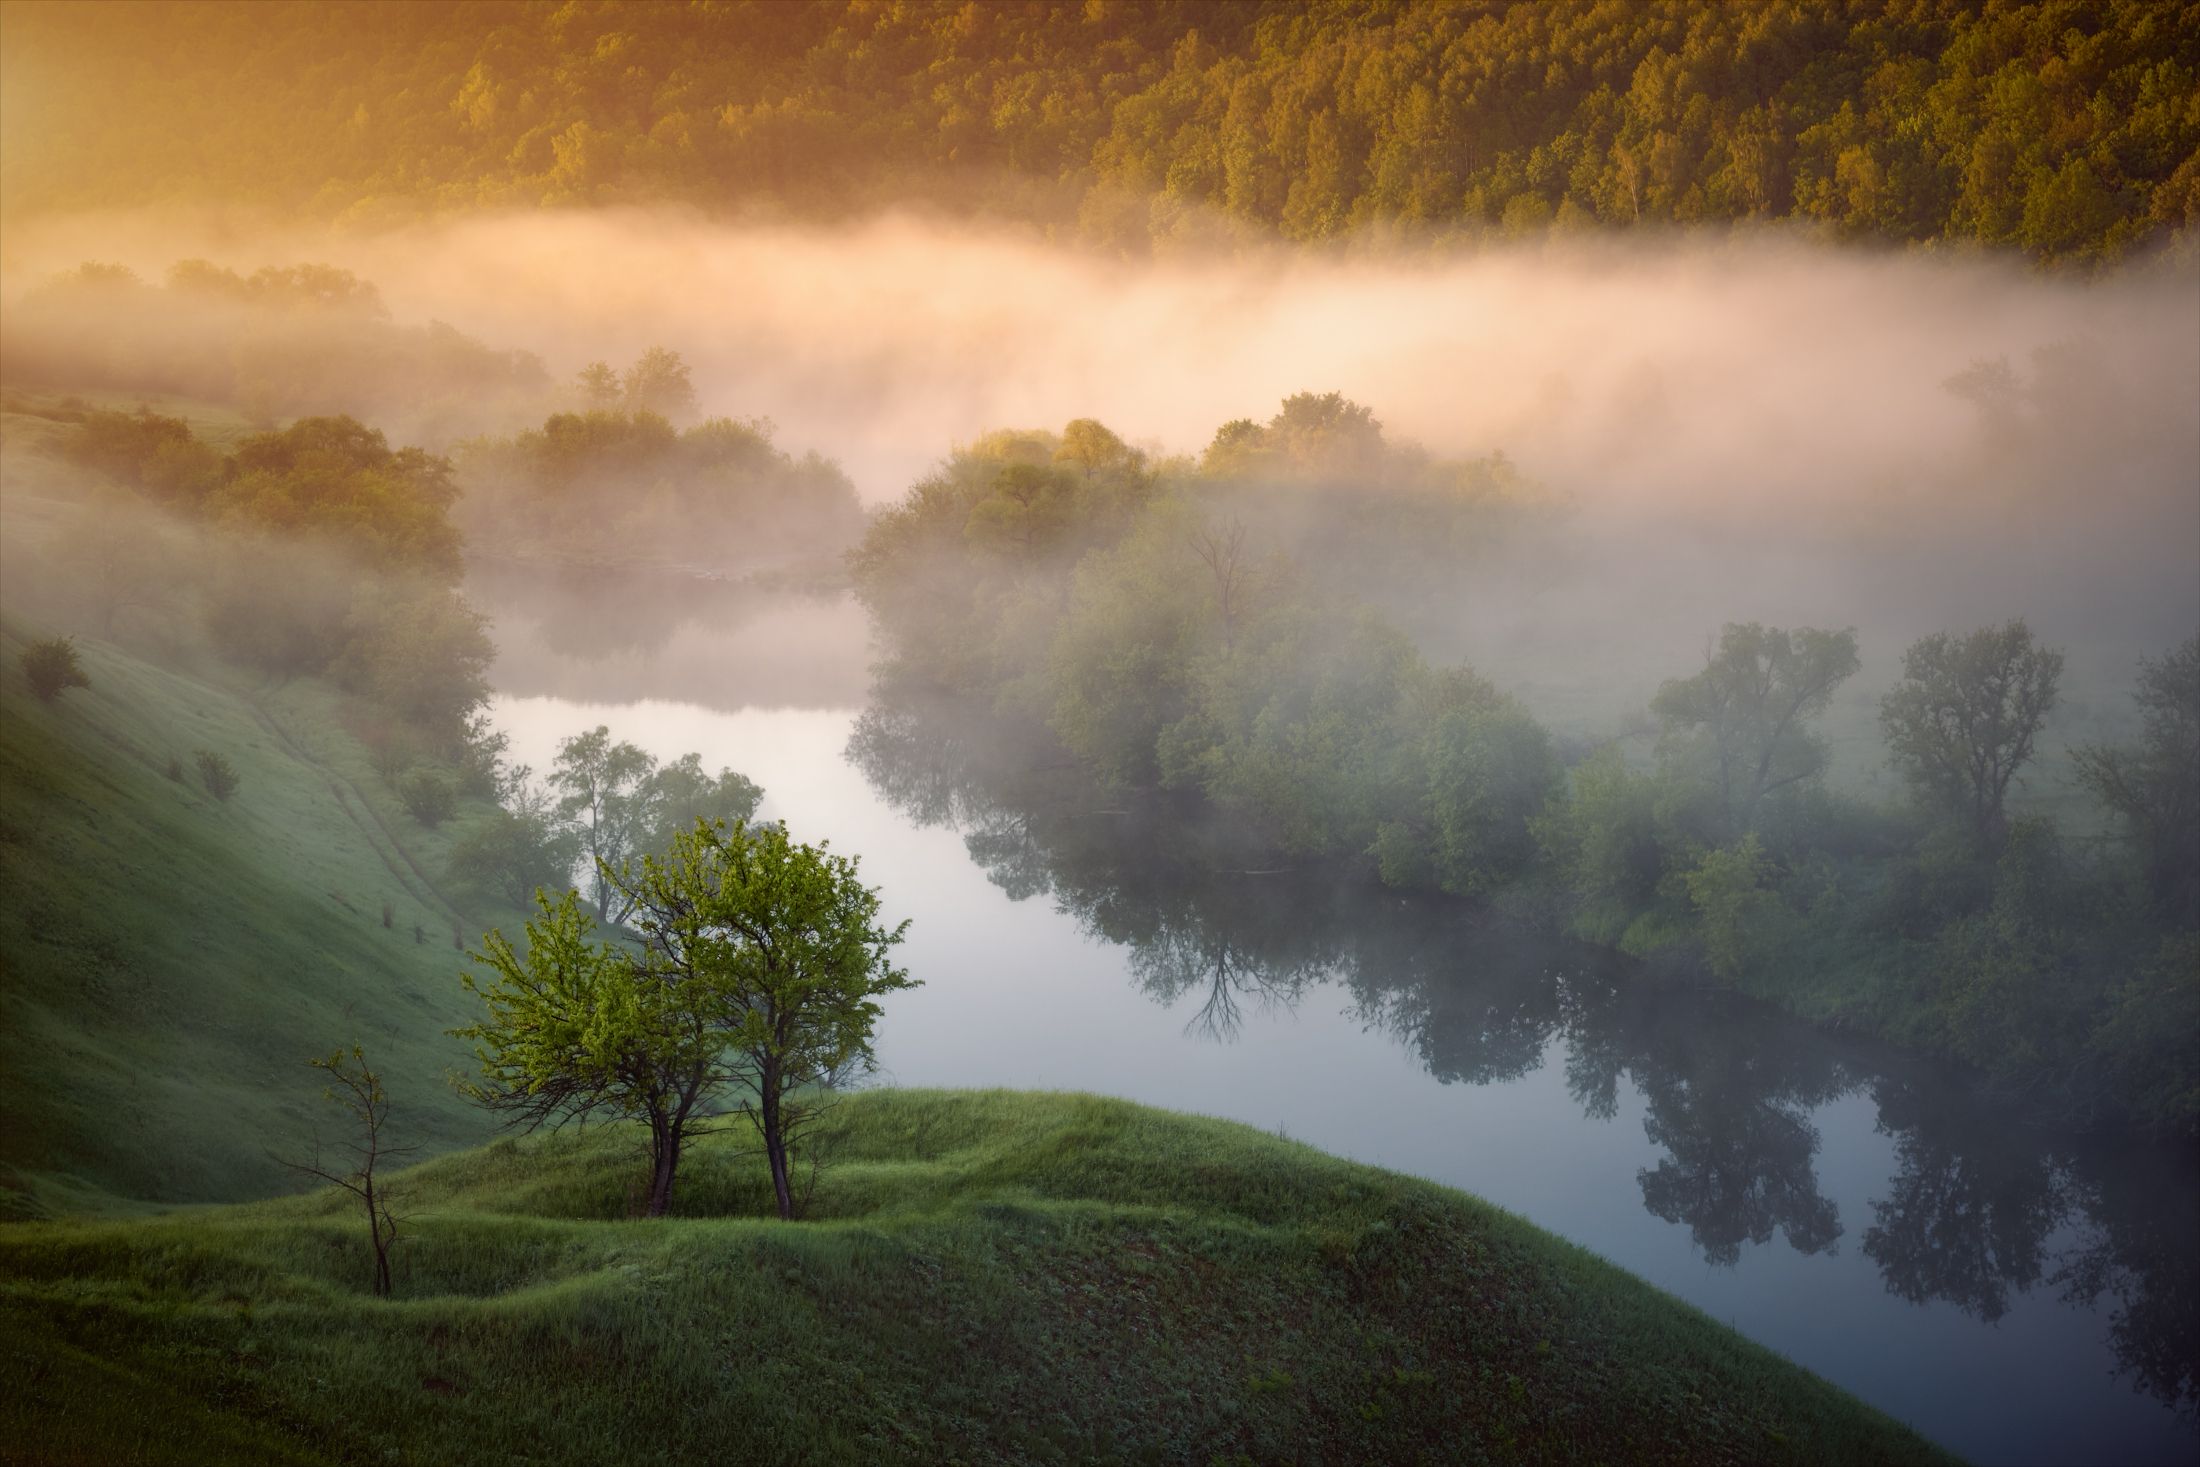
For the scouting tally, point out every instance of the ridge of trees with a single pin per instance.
(2067, 129)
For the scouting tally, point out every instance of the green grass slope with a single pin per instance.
(171, 961)
(983, 1277)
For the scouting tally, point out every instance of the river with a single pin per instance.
(2019, 1295)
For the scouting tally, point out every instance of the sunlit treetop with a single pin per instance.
(2065, 129)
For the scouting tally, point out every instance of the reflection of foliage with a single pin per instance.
(1728, 1089)
(1732, 1114)
(2140, 1253)
(1969, 1213)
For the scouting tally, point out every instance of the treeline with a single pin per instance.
(2069, 129)
(618, 482)
(278, 343)
(1160, 636)
(314, 550)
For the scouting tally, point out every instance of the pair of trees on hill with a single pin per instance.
(755, 963)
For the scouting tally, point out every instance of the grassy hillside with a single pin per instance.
(985, 1277)
(171, 961)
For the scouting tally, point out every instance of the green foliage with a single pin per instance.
(513, 852)
(423, 654)
(577, 1028)
(157, 454)
(1604, 836)
(620, 483)
(216, 773)
(777, 945)
(1962, 721)
(2145, 1042)
(2008, 990)
(343, 558)
(51, 667)
(759, 966)
(429, 797)
(1740, 726)
(1727, 888)
(2065, 128)
(2154, 789)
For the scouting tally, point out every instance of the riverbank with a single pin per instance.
(984, 1276)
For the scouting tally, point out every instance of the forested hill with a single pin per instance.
(2068, 129)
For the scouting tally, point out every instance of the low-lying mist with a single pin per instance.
(1749, 427)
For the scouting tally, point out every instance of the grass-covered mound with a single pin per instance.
(983, 1277)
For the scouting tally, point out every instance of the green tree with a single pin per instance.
(52, 668)
(515, 850)
(1741, 723)
(2155, 788)
(1962, 721)
(600, 790)
(578, 1028)
(679, 793)
(1727, 888)
(786, 943)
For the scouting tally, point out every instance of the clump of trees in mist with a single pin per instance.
(316, 550)
(619, 482)
(279, 343)
(1172, 643)
(2065, 128)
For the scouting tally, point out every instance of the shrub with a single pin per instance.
(52, 668)
(429, 797)
(216, 773)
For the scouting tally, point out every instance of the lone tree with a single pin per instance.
(787, 939)
(358, 1090)
(1962, 720)
(758, 967)
(2155, 787)
(578, 1028)
(1742, 720)
(52, 668)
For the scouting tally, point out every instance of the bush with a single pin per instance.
(216, 773)
(429, 797)
(52, 668)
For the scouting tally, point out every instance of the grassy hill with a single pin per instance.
(984, 1277)
(171, 960)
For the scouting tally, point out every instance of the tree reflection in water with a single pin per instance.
(1980, 1210)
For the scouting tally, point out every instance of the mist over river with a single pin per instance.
(2018, 1294)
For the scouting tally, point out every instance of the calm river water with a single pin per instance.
(2018, 1295)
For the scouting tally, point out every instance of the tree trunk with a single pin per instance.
(775, 1148)
(664, 1164)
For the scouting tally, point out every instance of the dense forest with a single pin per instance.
(2068, 129)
